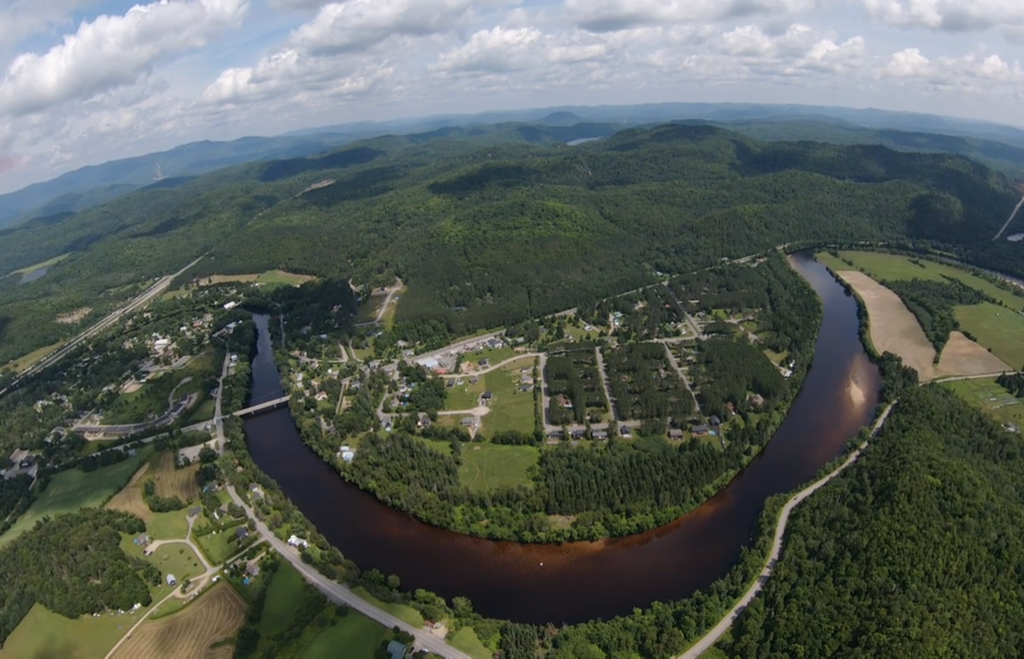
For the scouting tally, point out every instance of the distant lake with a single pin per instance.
(30, 277)
(583, 140)
(1016, 238)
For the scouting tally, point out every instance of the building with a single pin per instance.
(715, 421)
(600, 434)
(252, 570)
(468, 422)
(700, 430)
(397, 650)
(230, 305)
(484, 363)
(429, 363)
(757, 400)
(172, 580)
(241, 533)
(348, 456)
(296, 541)
(487, 395)
(195, 512)
(625, 431)
(675, 433)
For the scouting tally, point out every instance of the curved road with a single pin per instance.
(716, 632)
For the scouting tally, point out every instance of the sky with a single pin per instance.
(87, 81)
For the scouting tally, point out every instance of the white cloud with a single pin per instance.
(974, 73)
(951, 15)
(611, 15)
(356, 25)
(111, 51)
(22, 19)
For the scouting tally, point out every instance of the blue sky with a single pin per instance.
(88, 81)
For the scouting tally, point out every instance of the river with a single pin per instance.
(581, 581)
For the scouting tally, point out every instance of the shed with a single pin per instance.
(171, 580)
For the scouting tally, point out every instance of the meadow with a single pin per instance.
(488, 466)
(511, 409)
(43, 634)
(989, 396)
(997, 328)
(72, 490)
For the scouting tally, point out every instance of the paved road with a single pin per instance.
(156, 289)
(492, 367)
(709, 639)
(1012, 215)
(457, 345)
(682, 375)
(338, 593)
(604, 383)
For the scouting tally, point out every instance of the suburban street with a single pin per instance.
(716, 632)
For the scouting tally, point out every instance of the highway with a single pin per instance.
(1012, 215)
(156, 289)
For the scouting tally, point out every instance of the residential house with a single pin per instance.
(241, 533)
(600, 435)
(296, 541)
(484, 363)
(700, 430)
(675, 433)
(469, 422)
(195, 512)
(397, 650)
(252, 570)
(486, 396)
(625, 431)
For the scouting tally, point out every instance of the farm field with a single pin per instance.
(213, 617)
(359, 635)
(488, 466)
(893, 328)
(270, 279)
(72, 490)
(891, 266)
(169, 482)
(43, 634)
(511, 409)
(989, 396)
(997, 328)
(961, 356)
(172, 482)
(130, 500)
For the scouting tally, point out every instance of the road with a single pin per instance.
(1012, 215)
(457, 346)
(341, 594)
(156, 289)
(958, 378)
(682, 375)
(689, 319)
(604, 383)
(492, 367)
(716, 632)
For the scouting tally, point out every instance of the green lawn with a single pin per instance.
(489, 466)
(43, 634)
(355, 633)
(278, 278)
(466, 640)
(494, 356)
(403, 612)
(511, 409)
(178, 559)
(893, 267)
(989, 396)
(218, 548)
(74, 489)
(168, 526)
(466, 396)
(996, 328)
(282, 593)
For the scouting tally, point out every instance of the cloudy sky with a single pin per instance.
(87, 81)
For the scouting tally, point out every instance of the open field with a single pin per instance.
(358, 635)
(43, 634)
(72, 490)
(989, 396)
(403, 612)
(466, 396)
(282, 593)
(218, 548)
(893, 328)
(45, 264)
(961, 356)
(490, 466)
(215, 616)
(130, 500)
(76, 316)
(172, 482)
(22, 364)
(203, 412)
(891, 266)
(511, 409)
(178, 559)
(997, 328)
(466, 640)
(269, 279)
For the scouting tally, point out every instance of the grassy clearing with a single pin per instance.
(45, 264)
(891, 266)
(168, 526)
(178, 559)
(997, 328)
(989, 396)
(466, 396)
(282, 593)
(511, 409)
(215, 616)
(269, 280)
(403, 612)
(203, 412)
(218, 548)
(466, 640)
(22, 364)
(173, 482)
(73, 490)
(43, 634)
(489, 466)
(389, 314)
(358, 635)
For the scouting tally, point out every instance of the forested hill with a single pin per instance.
(502, 230)
(917, 551)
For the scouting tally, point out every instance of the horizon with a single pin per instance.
(89, 81)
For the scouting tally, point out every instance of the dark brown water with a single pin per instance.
(582, 581)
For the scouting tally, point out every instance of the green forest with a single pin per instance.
(916, 551)
(488, 235)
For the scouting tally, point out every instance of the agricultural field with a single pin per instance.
(1003, 406)
(511, 409)
(644, 384)
(573, 374)
(129, 499)
(173, 482)
(282, 594)
(892, 266)
(169, 482)
(997, 328)
(488, 466)
(961, 356)
(267, 280)
(43, 634)
(215, 616)
(74, 489)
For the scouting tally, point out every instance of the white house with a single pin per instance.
(230, 305)
(296, 541)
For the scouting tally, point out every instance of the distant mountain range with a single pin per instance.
(1000, 147)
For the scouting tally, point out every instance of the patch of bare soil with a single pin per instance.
(893, 328)
(961, 356)
(75, 316)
